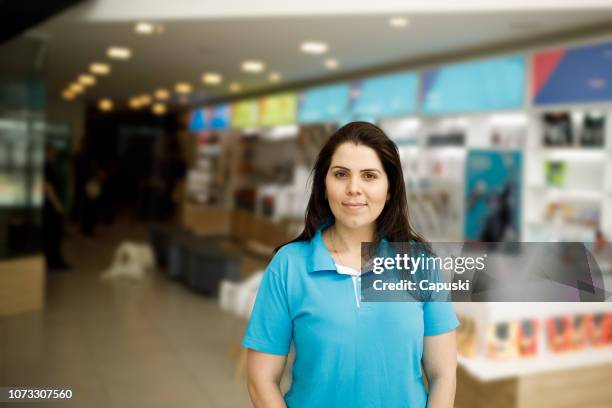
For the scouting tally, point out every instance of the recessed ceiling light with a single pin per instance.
(159, 108)
(105, 105)
(76, 88)
(235, 87)
(274, 77)
(162, 94)
(121, 53)
(145, 99)
(253, 66)
(398, 22)
(159, 28)
(212, 78)
(183, 88)
(314, 47)
(99, 68)
(144, 28)
(68, 95)
(87, 80)
(331, 63)
(134, 103)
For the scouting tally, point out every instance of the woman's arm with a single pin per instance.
(440, 363)
(264, 372)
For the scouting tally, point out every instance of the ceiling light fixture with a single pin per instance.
(162, 94)
(144, 28)
(314, 47)
(274, 77)
(159, 108)
(331, 63)
(134, 103)
(212, 78)
(99, 68)
(183, 88)
(253, 66)
(105, 105)
(87, 80)
(398, 22)
(235, 87)
(76, 88)
(121, 53)
(68, 95)
(145, 99)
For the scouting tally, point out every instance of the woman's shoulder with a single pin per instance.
(290, 256)
(293, 249)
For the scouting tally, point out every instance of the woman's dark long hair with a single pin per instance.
(393, 223)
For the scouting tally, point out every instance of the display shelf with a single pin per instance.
(570, 192)
(504, 311)
(574, 153)
(492, 370)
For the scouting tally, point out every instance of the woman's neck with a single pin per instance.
(350, 239)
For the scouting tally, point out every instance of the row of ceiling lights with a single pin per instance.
(208, 78)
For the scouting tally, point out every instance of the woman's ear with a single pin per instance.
(388, 197)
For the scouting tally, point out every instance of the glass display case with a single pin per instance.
(22, 144)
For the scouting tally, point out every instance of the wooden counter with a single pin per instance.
(586, 386)
(22, 283)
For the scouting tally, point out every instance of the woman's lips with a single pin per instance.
(353, 206)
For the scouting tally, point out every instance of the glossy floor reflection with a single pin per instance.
(123, 344)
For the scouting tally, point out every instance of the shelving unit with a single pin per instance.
(567, 186)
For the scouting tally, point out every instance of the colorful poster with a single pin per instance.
(386, 96)
(210, 118)
(324, 104)
(493, 195)
(474, 86)
(571, 75)
(220, 116)
(198, 120)
(245, 114)
(279, 109)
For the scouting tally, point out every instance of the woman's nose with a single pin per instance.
(354, 186)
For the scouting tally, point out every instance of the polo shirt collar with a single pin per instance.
(320, 258)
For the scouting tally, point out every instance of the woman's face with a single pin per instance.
(357, 186)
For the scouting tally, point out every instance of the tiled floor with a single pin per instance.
(123, 344)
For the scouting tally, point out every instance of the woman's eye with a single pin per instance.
(369, 176)
(340, 174)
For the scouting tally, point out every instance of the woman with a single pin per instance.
(348, 353)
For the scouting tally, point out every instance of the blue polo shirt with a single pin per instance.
(347, 353)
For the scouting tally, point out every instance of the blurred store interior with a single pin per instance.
(177, 138)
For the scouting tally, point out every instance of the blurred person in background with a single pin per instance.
(91, 199)
(348, 354)
(53, 214)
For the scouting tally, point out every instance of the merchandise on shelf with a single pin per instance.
(507, 137)
(528, 337)
(467, 337)
(555, 173)
(558, 130)
(593, 130)
(453, 138)
(502, 341)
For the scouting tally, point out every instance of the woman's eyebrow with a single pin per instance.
(345, 168)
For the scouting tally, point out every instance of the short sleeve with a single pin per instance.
(439, 318)
(270, 327)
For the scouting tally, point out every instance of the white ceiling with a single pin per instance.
(189, 47)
